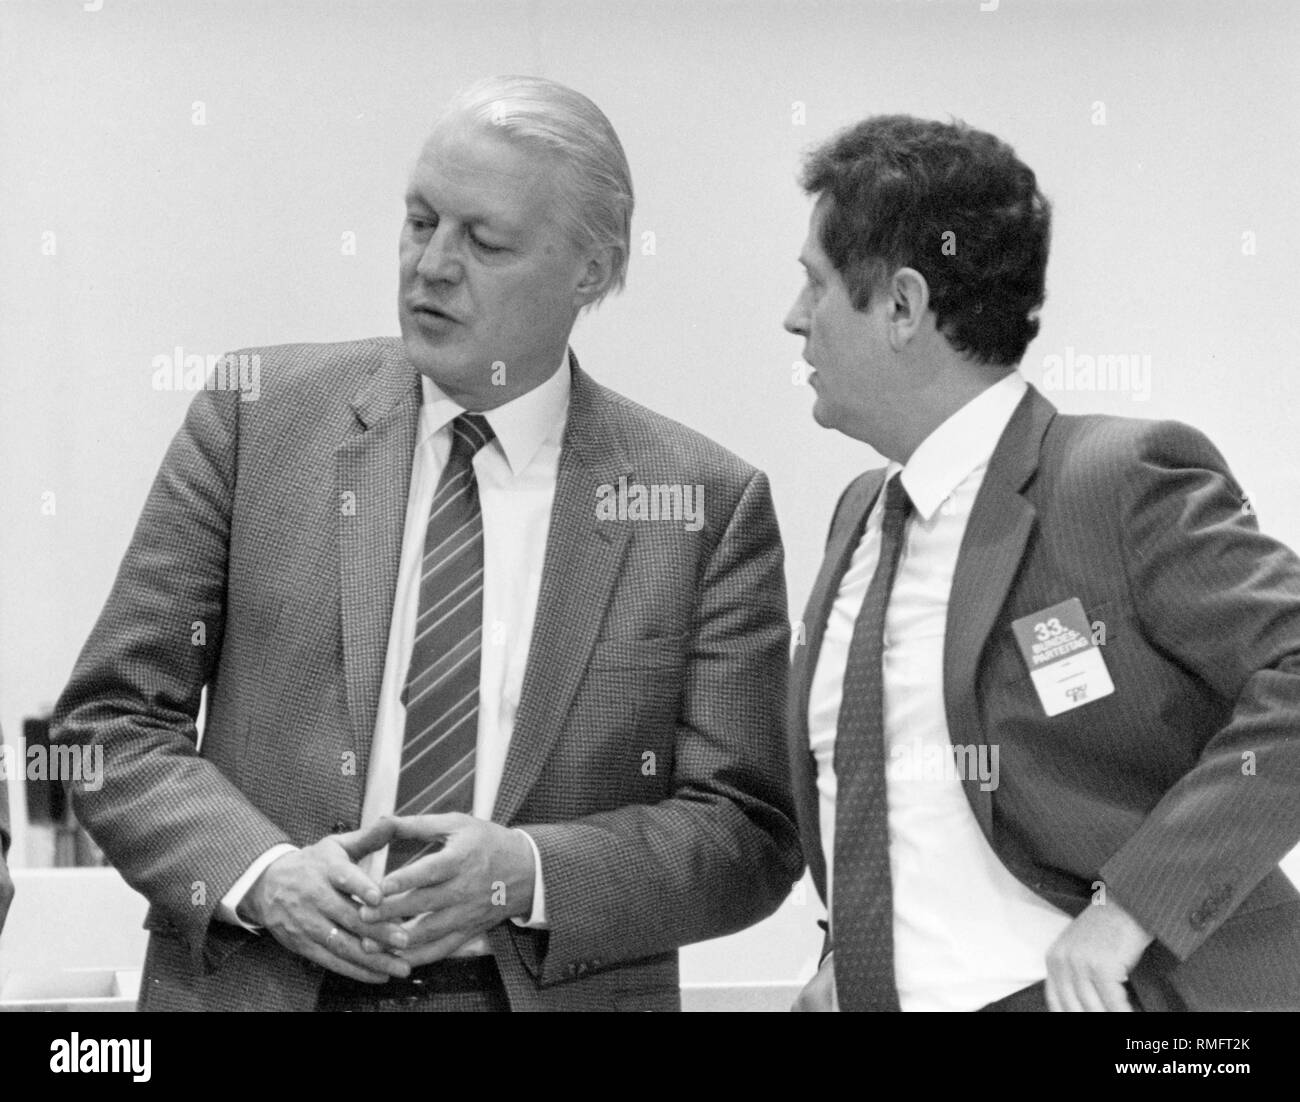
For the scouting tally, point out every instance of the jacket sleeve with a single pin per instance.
(177, 828)
(1223, 600)
(722, 851)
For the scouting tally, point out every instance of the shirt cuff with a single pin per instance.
(537, 918)
(228, 908)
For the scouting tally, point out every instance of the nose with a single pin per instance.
(796, 321)
(439, 261)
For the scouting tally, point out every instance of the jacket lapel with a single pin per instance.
(997, 534)
(373, 476)
(583, 558)
(846, 533)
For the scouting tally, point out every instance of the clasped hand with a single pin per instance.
(318, 903)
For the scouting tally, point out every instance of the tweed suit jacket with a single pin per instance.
(1179, 790)
(648, 757)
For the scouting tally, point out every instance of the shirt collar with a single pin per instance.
(964, 442)
(522, 425)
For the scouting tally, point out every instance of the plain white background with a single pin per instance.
(1165, 133)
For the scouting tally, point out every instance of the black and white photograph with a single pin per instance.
(537, 505)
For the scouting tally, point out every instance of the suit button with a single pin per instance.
(341, 827)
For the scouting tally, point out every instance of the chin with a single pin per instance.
(822, 415)
(444, 369)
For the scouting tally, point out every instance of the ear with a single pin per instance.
(909, 299)
(597, 275)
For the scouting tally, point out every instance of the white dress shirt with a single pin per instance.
(966, 932)
(516, 476)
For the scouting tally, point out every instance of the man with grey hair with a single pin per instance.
(473, 741)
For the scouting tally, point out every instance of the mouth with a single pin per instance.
(428, 312)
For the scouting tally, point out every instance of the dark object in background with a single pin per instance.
(48, 803)
(47, 800)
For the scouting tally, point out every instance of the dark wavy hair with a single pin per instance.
(903, 188)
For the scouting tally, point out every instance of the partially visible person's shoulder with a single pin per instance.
(659, 444)
(1094, 450)
(324, 370)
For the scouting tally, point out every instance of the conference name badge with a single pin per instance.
(1064, 663)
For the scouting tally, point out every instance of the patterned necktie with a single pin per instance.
(862, 904)
(441, 691)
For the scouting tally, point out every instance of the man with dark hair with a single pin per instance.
(952, 202)
(1043, 726)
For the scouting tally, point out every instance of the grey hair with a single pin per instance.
(596, 186)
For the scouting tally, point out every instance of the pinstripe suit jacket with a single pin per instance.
(275, 527)
(1179, 790)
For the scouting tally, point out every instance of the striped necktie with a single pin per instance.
(441, 691)
(862, 904)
